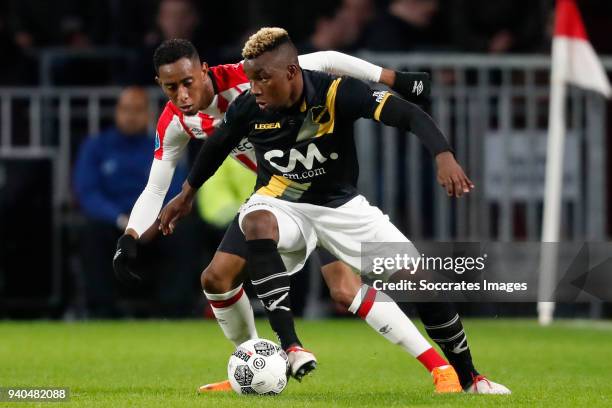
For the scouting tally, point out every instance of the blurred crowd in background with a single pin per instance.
(111, 42)
(127, 32)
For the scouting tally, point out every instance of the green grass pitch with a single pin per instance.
(161, 363)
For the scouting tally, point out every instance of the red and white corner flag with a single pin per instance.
(573, 62)
(573, 59)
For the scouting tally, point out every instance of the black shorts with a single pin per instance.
(233, 242)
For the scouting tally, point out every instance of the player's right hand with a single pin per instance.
(451, 176)
(176, 209)
(124, 259)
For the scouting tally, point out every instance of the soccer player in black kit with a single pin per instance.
(299, 122)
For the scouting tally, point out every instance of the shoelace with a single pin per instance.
(296, 348)
(476, 379)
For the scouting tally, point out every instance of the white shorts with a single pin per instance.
(341, 231)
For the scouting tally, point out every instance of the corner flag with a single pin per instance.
(573, 62)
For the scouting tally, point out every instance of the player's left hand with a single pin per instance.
(176, 209)
(451, 176)
(124, 259)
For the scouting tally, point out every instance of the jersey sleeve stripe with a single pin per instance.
(330, 104)
(380, 106)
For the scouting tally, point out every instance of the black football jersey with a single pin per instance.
(305, 154)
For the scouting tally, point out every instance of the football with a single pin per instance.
(258, 366)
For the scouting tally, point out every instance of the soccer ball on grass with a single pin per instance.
(258, 366)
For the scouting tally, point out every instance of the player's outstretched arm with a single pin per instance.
(142, 218)
(404, 115)
(176, 209)
(413, 86)
(170, 142)
(356, 99)
(146, 209)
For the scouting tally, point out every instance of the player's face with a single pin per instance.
(271, 83)
(186, 83)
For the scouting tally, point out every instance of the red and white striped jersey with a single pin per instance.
(175, 129)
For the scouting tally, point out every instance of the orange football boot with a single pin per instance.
(213, 387)
(446, 380)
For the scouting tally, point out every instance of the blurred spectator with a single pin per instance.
(17, 69)
(39, 23)
(120, 23)
(363, 11)
(495, 27)
(296, 17)
(407, 25)
(111, 170)
(75, 25)
(174, 19)
(342, 29)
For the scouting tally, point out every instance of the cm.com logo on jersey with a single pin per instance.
(312, 154)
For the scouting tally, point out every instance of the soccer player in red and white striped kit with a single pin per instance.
(199, 96)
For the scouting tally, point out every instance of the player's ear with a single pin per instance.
(292, 71)
(157, 80)
(204, 68)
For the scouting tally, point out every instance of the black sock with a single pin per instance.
(271, 282)
(444, 326)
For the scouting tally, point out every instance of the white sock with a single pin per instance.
(234, 314)
(386, 318)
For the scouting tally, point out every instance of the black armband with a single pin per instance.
(407, 116)
(413, 86)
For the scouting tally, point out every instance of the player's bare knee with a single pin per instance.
(342, 282)
(203, 282)
(260, 225)
(215, 281)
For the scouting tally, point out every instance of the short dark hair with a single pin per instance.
(173, 50)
